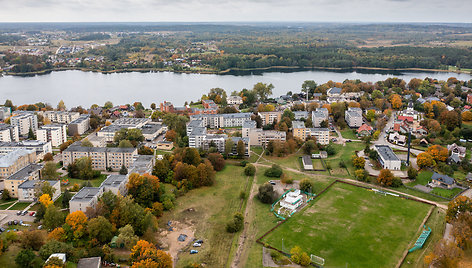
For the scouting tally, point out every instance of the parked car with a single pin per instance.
(32, 213)
(2, 229)
(40, 227)
(197, 245)
(199, 241)
(193, 251)
(272, 182)
(18, 213)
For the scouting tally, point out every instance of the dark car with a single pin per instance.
(199, 241)
(18, 213)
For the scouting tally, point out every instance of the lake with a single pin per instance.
(86, 88)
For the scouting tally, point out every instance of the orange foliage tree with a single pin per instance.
(45, 200)
(425, 160)
(57, 234)
(396, 101)
(78, 223)
(438, 152)
(143, 188)
(385, 177)
(467, 116)
(457, 206)
(145, 254)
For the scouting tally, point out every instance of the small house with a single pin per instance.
(443, 181)
(364, 130)
(292, 200)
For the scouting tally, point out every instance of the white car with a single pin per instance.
(197, 244)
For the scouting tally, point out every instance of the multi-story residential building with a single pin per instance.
(216, 140)
(142, 164)
(27, 173)
(317, 117)
(87, 197)
(152, 130)
(116, 184)
(234, 100)
(13, 161)
(259, 137)
(127, 123)
(193, 124)
(5, 112)
(195, 139)
(55, 133)
(61, 116)
(26, 190)
(353, 117)
(270, 117)
(321, 135)
(103, 158)
(80, 125)
(247, 126)
(9, 133)
(41, 148)
(300, 115)
(108, 132)
(222, 120)
(324, 111)
(387, 158)
(96, 140)
(299, 130)
(25, 121)
(209, 104)
(247, 146)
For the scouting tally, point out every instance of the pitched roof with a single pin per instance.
(442, 178)
(364, 127)
(407, 118)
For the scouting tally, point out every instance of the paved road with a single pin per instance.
(10, 215)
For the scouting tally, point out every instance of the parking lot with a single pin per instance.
(10, 215)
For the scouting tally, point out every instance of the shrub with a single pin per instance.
(250, 170)
(286, 179)
(412, 173)
(236, 224)
(242, 195)
(306, 185)
(266, 193)
(397, 182)
(244, 163)
(275, 171)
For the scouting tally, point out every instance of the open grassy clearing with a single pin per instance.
(436, 222)
(211, 208)
(95, 182)
(448, 193)
(352, 226)
(348, 134)
(20, 206)
(424, 177)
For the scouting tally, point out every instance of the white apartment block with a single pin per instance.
(317, 117)
(9, 133)
(41, 148)
(247, 126)
(321, 135)
(195, 139)
(61, 117)
(25, 122)
(55, 133)
(102, 157)
(222, 120)
(87, 197)
(353, 117)
(270, 117)
(80, 125)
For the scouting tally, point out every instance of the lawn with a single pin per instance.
(95, 182)
(352, 227)
(20, 205)
(317, 164)
(424, 177)
(448, 193)
(212, 207)
(348, 134)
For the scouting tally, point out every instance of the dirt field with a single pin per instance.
(169, 238)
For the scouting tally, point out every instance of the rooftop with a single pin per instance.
(31, 184)
(150, 128)
(10, 158)
(318, 114)
(443, 178)
(86, 194)
(77, 148)
(198, 131)
(386, 153)
(131, 121)
(25, 172)
(195, 123)
(250, 124)
(113, 180)
(93, 262)
(298, 124)
(334, 90)
(80, 119)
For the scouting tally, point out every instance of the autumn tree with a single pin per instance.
(263, 90)
(425, 160)
(143, 188)
(49, 171)
(61, 106)
(298, 256)
(217, 161)
(53, 218)
(127, 237)
(396, 101)
(171, 135)
(48, 157)
(77, 222)
(358, 162)
(241, 149)
(438, 152)
(101, 229)
(145, 254)
(467, 116)
(462, 230)
(460, 204)
(32, 239)
(45, 200)
(385, 177)
(57, 234)
(444, 254)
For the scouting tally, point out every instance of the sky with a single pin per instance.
(235, 10)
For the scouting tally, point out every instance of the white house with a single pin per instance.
(387, 158)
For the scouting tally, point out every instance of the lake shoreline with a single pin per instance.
(237, 70)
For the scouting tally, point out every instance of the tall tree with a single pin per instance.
(263, 90)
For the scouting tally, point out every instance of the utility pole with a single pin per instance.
(409, 145)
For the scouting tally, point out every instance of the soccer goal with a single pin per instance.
(317, 260)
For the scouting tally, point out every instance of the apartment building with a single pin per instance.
(259, 137)
(5, 112)
(80, 125)
(127, 123)
(41, 148)
(116, 184)
(300, 115)
(152, 130)
(9, 133)
(13, 161)
(247, 146)
(222, 120)
(321, 135)
(61, 116)
(27, 173)
(195, 139)
(96, 140)
(247, 126)
(25, 121)
(55, 133)
(26, 190)
(317, 117)
(215, 140)
(234, 100)
(87, 197)
(194, 124)
(353, 117)
(299, 130)
(387, 158)
(270, 117)
(103, 158)
(142, 164)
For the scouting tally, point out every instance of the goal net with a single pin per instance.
(317, 260)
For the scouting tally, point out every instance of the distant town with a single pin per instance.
(243, 178)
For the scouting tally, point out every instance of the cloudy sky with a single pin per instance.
(236, 10)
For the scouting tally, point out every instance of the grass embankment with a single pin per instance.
(352, 226)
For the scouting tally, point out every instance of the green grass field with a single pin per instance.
(20, 206)
(352, 227)
(348, 134)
